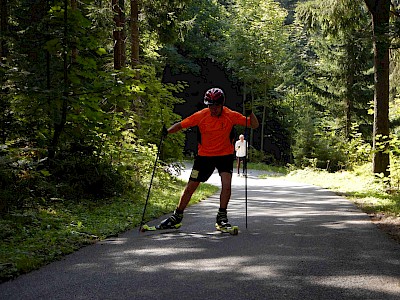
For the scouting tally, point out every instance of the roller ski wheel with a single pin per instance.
(233, 230)
(146, 227)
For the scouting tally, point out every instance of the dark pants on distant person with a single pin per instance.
(239, 160)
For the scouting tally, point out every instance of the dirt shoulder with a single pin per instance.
(388, 224)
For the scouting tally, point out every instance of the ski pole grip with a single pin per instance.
(247, 108)
(164, 131)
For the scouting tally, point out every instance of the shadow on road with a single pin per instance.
(302, 242)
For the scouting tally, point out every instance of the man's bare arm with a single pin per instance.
(253, 121)
(175, 128)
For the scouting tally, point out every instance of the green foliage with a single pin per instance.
(358, 151)
(164, 18)
(255, 43)
(256, 155)
(394, 169)
(75, 133)
(23, 180)
(32, 238)
(339, 62)
(393, 147)
(331, 93)
(100, 149)
(155, 103)
(318, 142)
(73, 126)
(78, 176)
(203, 36)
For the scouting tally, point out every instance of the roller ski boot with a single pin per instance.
(223, 225)
(173, 222)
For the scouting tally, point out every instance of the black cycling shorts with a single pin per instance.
(204, 166)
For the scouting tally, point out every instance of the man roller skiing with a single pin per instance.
(215, 150)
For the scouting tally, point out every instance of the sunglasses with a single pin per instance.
(214, 104)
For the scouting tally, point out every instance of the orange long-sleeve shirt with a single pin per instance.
(215, 131)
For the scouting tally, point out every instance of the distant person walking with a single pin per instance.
(240, 148)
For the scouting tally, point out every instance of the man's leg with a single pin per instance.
(225, 168)
(187, 195)
(201, 171)
(226, 182)
(175, 220)
(238, 165)
(222, 217)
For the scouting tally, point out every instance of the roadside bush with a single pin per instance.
(331, 151)
(80, 176)
(357, 151)
(22, 178)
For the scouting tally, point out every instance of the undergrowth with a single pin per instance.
(34, 237)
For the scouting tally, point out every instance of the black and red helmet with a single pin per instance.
(214, 96)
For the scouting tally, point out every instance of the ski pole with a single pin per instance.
(245, 170)
(246, 157)
(151, 180)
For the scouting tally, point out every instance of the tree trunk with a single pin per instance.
(348, 103)
(3, 28)
(252, 106)
(59, 124)
(379, 10)
(244, 97)
(264, 117)
(74, 51)
(135, 32)
(119, 34)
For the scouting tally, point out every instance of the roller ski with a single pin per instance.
(233, 230)
(146, 227)
(223, 225)
(173, 222)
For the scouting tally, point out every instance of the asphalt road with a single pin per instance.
(302, 242)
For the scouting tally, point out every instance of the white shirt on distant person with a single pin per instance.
(240, 147)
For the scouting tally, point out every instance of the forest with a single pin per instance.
(87, 87)
(85, 91)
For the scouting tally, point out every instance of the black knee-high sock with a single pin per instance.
(179, 212)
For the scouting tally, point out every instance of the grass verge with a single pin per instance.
(274, 170)
(37, 236)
